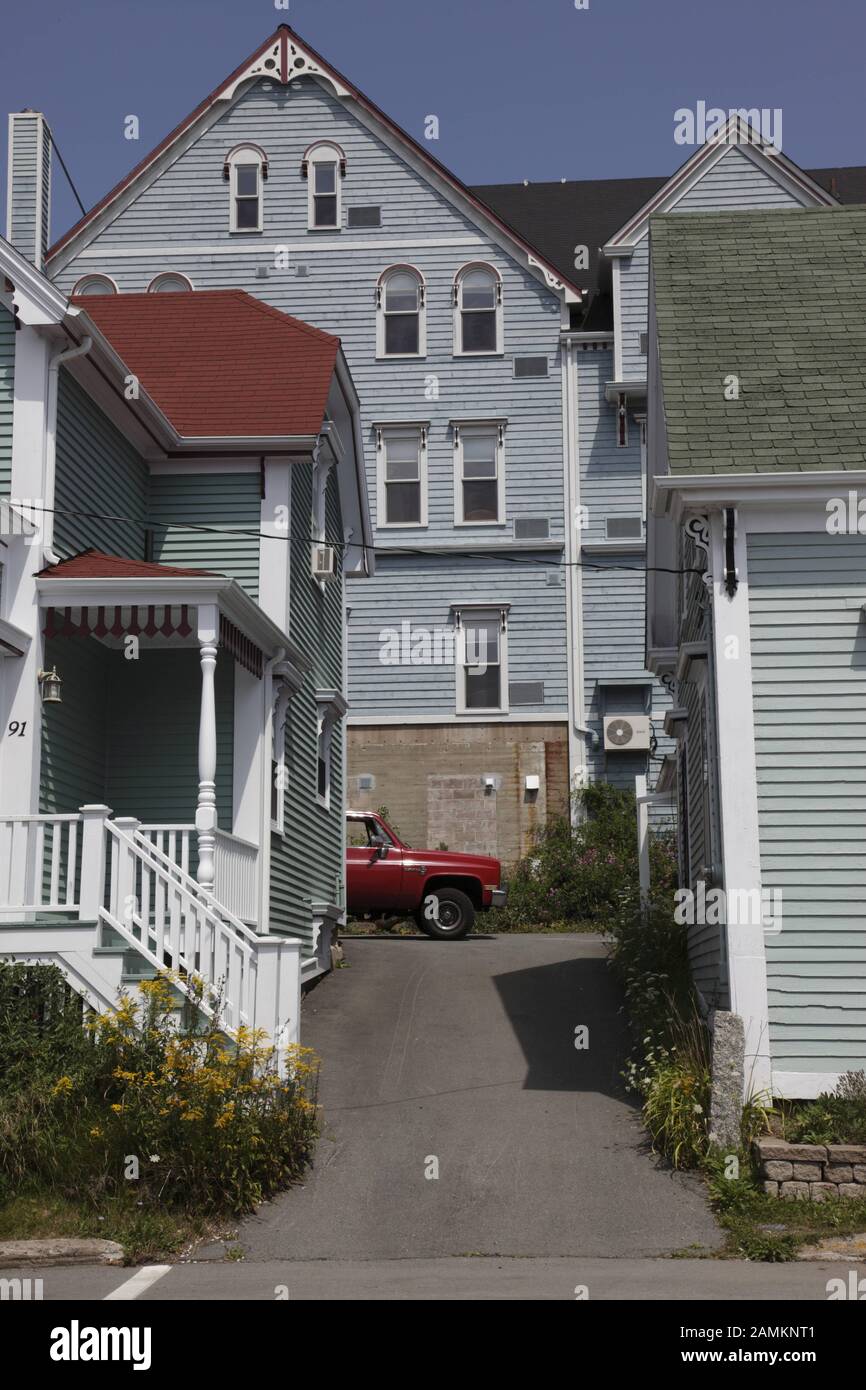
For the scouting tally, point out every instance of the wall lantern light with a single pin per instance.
(49, 685)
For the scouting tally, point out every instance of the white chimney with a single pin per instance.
(28, 185)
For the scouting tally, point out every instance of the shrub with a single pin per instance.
(210, 1125)
(834, 1118)
(579, 873)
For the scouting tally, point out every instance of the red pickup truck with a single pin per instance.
(441, 890)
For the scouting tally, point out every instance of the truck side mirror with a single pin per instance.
(380, 844)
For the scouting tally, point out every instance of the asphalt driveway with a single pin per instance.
(460, 1058)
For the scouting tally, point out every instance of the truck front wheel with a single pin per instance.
(446, 914)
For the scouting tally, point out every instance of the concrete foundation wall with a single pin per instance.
(431, 778)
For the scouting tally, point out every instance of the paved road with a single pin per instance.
(462, 1054)
(540, 1280)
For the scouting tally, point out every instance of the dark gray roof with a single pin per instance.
(776, 298)
(557, 217)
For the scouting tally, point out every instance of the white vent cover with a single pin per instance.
(627, 733)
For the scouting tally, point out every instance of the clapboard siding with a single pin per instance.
(610, 476)
(7, 396)
(307, 860)
(24, 176)
(809, 682)
(181, 504)
(420, 590)
(98, 472)
(187, 207)
(734, 182)
(126, 733)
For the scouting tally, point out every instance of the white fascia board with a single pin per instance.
(360, 502)
(503, 547)
(511, 717)
(14, 641)
(36, 300)
(674, 494)
(785, 172)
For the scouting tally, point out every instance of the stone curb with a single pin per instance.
(15, 1254)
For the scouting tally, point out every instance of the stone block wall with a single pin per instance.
(811, 1172)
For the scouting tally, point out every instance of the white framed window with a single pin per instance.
(479, 473)
(95, 284)
(169, 282)
(246, 169)
(478, 311)
(331, 708)
(401, 453)
(481, 658)
(401, 313)
(324, 168)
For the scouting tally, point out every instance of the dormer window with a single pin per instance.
(401, 328)
(169, 282)
(324, 168)
(95, 284)
(477, 311)
(246, 168)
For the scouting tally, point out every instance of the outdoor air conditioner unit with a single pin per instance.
(626, 733)
(324, 562)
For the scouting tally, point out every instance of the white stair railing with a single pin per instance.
(235, 864)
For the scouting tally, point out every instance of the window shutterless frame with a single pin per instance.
(479, 474)
(246, 168)
(324, 168)
(481, 649)
(401, 313)
(478, 325)
(401, 493)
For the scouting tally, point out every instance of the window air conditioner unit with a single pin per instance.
(324, 562)
(626, 733)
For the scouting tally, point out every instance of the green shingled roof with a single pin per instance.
(777, 299)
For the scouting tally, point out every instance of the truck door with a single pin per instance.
(374, 873)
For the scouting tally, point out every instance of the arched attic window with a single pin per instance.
(245, 169)
(477, 310)
(95, 284)
(324, 168)
(169, 281)
(401, 313)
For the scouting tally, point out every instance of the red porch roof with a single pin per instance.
(219, 363)
(93, 564)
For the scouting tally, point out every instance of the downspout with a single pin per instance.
(264, 913)
(49, 452)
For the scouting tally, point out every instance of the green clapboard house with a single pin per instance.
(755, 614)
(181, 498)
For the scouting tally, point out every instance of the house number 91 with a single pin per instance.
(16, 728)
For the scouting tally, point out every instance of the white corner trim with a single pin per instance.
(738, 797)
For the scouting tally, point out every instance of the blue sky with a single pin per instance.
(524, 89)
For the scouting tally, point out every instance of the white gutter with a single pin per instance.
(49, 450)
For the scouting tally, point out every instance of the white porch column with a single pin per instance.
(206, 813)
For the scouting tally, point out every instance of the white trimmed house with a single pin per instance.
(183, 497)
(755, 619)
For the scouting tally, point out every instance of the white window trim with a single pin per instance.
(331, 707)
(457, 310)
(96, 275)
(381, 354)
(245, 154)
(421, 429)
(476, 609)
(460, 429)
(324, 152)
(153, 287)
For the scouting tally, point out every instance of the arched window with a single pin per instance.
(324, 168)
(401, 329)
(246, 168)
(477, 310)
(95, 284)
(169, 281)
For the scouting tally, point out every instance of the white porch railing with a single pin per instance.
(236, 864)
(39, 863)
(93, 868)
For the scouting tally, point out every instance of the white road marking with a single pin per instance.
(139, 1283)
